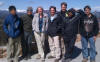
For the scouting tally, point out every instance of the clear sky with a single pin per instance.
(23, 4)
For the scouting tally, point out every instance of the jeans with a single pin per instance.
(26, 42)
(85, 50)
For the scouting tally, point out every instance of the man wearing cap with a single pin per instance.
(27, 32)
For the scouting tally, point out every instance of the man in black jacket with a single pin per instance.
(88, 29)
(27, 32)
(61, 16)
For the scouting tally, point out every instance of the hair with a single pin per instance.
(64, 3)
(53, 8)
(39, 7)
(88, 7)
(12, 8)
(72, 11)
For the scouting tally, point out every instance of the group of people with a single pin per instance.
(61, 28)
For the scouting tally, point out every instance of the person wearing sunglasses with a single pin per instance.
(27, 33)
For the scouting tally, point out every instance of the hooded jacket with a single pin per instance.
(52, 26)
(89, 26)
(70, 27)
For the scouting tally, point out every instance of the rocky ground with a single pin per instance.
(77, 55)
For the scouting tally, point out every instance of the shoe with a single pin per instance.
(42, 59)
(50, 57)
(84, 60)
(38, 56)
(29, 56)
(57, 60)
(92, 60)
(66, 60)
(26, 58)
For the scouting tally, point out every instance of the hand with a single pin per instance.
(78, 37)
(94, 38)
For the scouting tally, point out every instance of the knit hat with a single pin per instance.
(29, 9)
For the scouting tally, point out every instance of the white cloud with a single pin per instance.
(97, 8)
(24, 11)
(1, 3)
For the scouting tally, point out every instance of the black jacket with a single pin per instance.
(70, 26)
(61, 17)
(52, 27)
(27, 22)
(89, 26)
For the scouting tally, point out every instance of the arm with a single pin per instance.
(80, 13)
(46, 24)
(96, 26)
(5, 26)
(33, 23)
(18, 23)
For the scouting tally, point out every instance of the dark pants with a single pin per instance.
(69, 45)
(26, 44)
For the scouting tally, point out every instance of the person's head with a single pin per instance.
(87, 10)
(52, 10)
(12, 10)
(39, 10)
(63, 6)
(29, 10)
(71, 12)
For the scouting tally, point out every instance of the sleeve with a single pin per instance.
(5, 26)
(79, 15)
(47, 23)
(33, 23)
(22, 29)
(60, 23)
(18, 27)
(96, 26)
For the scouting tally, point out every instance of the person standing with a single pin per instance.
(61, 16)
(53, 37)
(39, 25)
(88, 29)
(27, 33)
(12, 27)
(70, 32)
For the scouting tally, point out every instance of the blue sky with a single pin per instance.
(23, 4)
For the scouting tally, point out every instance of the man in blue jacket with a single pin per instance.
(12, 27)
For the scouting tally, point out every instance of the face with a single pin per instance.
(40, 10)
(13, 12)
(63, 8)
(52, 11)
(70, 14)
(87, 11)
(29, 12)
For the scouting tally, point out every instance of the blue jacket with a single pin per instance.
(12, 26)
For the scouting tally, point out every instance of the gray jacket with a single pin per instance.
(35, 23)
